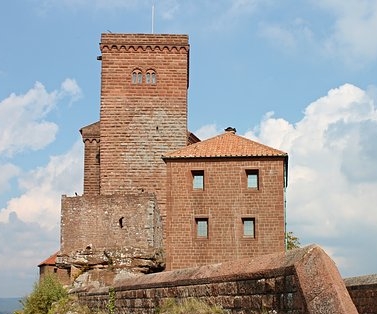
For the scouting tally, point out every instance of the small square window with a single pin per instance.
(252, 179)
(198, 180)
(201, 227)
(248, 227)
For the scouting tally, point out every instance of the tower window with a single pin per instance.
(248, 227)
(150, 77)
(137, 77)
(198, 180)
(252, 179)
(121, 222)
(201, 227)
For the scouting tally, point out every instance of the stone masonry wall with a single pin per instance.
(98, 222)
(139, 122)
(91, 138)
(363, 291)
(225, 201)
(91, 167)
(300, 281)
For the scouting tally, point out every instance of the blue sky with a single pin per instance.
(296, 75)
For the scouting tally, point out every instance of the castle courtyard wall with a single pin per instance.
(300, 281)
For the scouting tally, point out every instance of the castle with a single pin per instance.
(155, 197)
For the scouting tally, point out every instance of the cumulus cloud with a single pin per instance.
(23, 122)
(332, 174)
(8, 171)
(42, 187)
(29, 222)
(23, 247)
(332, 177)
(24, 126)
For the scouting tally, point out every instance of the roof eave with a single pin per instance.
(226, 156)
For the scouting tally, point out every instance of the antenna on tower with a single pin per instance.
(153, 17)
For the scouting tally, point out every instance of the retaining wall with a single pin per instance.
(363, 291)
(300, 281)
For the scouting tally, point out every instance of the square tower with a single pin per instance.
(143, 111)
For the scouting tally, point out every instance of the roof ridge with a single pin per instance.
(227, 144)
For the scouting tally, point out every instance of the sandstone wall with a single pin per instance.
(301, 281)
(141, 121)
(225, 201)
(110, 222)
(363, 291)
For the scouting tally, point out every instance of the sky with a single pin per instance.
(297, 75)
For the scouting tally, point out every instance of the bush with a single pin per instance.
(70, 305)
(46, 292)
(188, 306)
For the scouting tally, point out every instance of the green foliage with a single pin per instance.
(46, 292)
(293, 242)
(111, 304)
(188, 306)
(69, 305)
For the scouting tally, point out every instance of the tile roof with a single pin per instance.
(227, 144)
(50, 260)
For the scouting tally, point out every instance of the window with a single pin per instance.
(248, 227)
(252, 179)
(121, 222)
(201, 227)
(150, 77)
(198, 179)
(137, 77)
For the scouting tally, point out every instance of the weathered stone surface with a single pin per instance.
(363, 291)
(278, 282)
(322, 286)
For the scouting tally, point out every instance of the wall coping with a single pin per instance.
(318, 278)
(361, 281)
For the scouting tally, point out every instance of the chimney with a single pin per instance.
(230, 129)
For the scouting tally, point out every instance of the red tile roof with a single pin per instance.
(49, 261)
(227, 144)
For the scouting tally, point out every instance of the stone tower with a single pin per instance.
(143, 115)
(143, 112)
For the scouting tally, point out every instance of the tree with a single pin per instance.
(293, 242)
(46, 292)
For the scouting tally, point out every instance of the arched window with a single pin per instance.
(137, 77)
(150, 77)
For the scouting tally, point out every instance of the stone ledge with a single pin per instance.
(313, 274)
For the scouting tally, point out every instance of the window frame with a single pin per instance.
(197, 174)
(246, 235)
(252, 172)
(137, 76)
(198, 232)
(150, 77)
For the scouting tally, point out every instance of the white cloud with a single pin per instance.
(29, 222)
(336, 29)
(207, 131)
(70, 88)
(40, 201)
(8, 171)
(353, 35)
(23, 247)
(332, 178)
(26, 127)
(22, 117)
